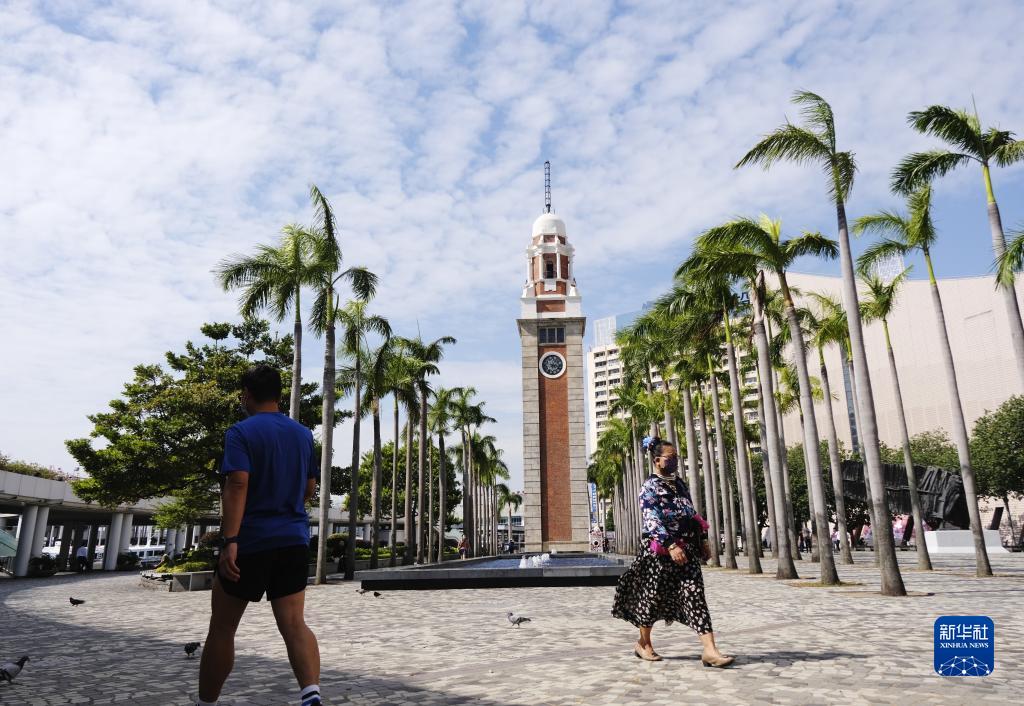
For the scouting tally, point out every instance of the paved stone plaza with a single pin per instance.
(795, 645)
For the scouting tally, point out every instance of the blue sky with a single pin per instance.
(143, 142)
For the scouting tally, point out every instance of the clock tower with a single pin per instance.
(556, 506)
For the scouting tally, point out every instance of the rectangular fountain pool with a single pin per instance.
(566, 569)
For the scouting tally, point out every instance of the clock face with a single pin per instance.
(552, 365)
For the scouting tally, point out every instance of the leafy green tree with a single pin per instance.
(341, 482)
(998, 450)
(929, 448)
(164, 437)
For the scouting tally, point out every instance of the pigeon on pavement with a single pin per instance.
(377, 594)
(190, 648)
(517, 620)
(12, 669)
(361, 591)
(76, 601)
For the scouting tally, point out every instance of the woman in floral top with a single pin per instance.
(665, 581)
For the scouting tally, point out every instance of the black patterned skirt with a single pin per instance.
(656, 588)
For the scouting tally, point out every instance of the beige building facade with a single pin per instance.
(982, 354)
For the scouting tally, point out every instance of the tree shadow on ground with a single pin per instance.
(87, 664)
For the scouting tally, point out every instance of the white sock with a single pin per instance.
(310, 695)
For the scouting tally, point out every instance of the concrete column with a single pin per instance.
(39, 536)
(67, 543)
(171, 542)
(126, 531)
(113, 542)
(179, 540)
(26, 530)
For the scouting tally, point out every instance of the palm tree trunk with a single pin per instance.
(422, 469)
(815, 557)
(769, 491)
(995, 224)
(441, 510)
(296, 395)
(891, 579)
(829, 575)
(835, 465)
(707, 464)
(375, 486)
(786, 569)
(393, 534)
(847, 360)
(353, 496)
(875, 522)
(410, 518)
(753, 540)
(429, 541)
(467, 497)
(924, 561)
(691, 451)
(723, 478)
(670, 423)
(787, 493)
(963, 451)
(326, 449)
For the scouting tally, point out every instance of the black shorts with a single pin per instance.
(277, 572)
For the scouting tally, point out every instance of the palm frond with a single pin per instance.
(1011, 261)
(878, 252)
(842, 175)
(882, 223)
(956, 127)
(818, 113)
(920, 168)
(787, 142)
(364, 282)
(1010, 152)
(813, 244)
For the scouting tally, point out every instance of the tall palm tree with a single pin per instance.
(878, 304)
(378, 382)
(715, 298)
(742, 247)
(441, 416)
(512, 500)
(815, 143)
(328, 258)
(915, 232)
(828, 328)
(963, 132)
(468, 416)
(357, 326)
(400, 383)
(428, 355)
(273, 279)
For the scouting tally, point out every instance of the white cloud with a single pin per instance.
(144, 142)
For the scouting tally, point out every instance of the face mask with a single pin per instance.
(671, 464)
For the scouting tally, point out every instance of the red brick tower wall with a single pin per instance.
(556, 514)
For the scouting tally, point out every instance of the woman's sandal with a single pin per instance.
(643, 654)
(720, 662)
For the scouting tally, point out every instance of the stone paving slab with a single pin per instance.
(794, 645)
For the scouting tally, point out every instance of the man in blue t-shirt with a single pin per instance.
(269, 473)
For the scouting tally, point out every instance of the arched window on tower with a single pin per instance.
(549, 269)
